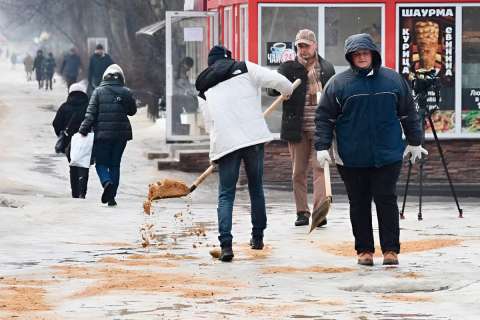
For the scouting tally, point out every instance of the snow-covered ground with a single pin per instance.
(63, 258)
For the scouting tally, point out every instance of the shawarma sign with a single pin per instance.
(427, 41)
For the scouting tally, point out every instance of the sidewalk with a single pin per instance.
(63, 258)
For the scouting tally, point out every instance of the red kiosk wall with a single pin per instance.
(390, 21)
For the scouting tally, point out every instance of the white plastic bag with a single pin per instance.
(81, 150)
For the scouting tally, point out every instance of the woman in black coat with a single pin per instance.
(38, 67)
(69, 117)
(107, 114)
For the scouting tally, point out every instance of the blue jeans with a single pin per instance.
(108, 155)
(228, 169)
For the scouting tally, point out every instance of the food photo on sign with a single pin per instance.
(427, 42)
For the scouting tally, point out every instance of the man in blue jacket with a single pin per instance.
(361, 115)
(71, 66)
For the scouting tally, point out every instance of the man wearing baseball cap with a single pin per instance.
(298, 116)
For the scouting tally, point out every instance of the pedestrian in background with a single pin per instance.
(39, 68)
(49, 65)
(107, 114)
(99, 62)
(298, 125)
(28, 64)
(238, 131)
(13, 59)
(71, 66)
(69, 117)
(361, 114)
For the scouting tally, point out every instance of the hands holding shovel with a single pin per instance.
(320, 213)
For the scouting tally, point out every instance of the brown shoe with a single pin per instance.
(365, 258)
(390, 258)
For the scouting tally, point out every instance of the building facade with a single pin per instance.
(439, 35)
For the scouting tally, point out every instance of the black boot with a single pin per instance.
(112, 203)
(108, 190)
(82, 182)
(302, 218)
(74, 182)
(227, 253)
(256, 243)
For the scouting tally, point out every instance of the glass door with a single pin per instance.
(189, 37)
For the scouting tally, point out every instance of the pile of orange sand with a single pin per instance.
(110, 280)
(346, 249)
(244, 252)
(20, 296)
(406, 298)
(315, 269)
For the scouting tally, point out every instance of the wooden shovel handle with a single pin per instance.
(326, 173)
(202, 177)
(280, 99)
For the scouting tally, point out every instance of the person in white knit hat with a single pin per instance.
(68, 118)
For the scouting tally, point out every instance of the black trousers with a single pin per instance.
(79, 181)
(379, 184)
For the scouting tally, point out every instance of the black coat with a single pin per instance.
(38, 67)
(49, 64)
(98, 65)
(293, 108)
(73, 111)
(107, 113)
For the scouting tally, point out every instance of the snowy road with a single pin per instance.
(63, 258)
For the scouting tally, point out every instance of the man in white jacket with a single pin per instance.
(238, 131)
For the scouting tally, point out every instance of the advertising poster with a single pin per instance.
(471, 109)
(427, 41)
(278, 52)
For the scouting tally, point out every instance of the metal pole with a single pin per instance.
(440, 151)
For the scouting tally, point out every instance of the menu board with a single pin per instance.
(427, 41)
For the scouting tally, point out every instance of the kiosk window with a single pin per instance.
(471, 70)
(341, 22)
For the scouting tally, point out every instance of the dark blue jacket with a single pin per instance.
(363, 110)
(98, 65)
(71, 65)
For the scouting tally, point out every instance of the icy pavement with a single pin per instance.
(63, 258)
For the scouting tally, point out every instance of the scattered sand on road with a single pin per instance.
(347, 248)
(116, 279)
(157, 260)
(316, 269)
(247, 253)
(244, 252)
(143, 262)
(274, 311)
(108, 244)
(326, 302)
(21, 296)
(199, 293)
(409, 275)
(168, 256)
(405, 298)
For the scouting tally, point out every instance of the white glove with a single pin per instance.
(323, 156)
(415, 151)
